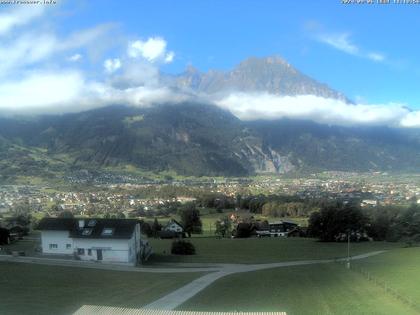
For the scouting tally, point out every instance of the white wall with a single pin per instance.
(61, 238)
(113, 250)
(174, 227)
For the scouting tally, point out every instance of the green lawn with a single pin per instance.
(261, 250)
(35, 289)
(317, 289)
(399, 269)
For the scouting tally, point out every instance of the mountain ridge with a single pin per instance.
(271, 74)
(199, 138)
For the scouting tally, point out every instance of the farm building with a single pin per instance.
(101, 240)
(281, 228)
(172, 229)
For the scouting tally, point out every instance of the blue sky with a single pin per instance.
(87, 50)
(219, 34)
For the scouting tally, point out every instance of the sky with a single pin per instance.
(76, 55)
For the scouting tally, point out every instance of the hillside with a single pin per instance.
(191, 139)
(196, 139)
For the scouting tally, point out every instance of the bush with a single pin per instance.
(182, 248)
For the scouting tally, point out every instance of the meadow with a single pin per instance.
(313, 289)
(39, 289)
(261, 250)
(305, 290)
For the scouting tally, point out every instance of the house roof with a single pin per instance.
(109, 310)
(91, 227)
(57, 224)
(174, 221)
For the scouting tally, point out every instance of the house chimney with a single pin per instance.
(81, 224)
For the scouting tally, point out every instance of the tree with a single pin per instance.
(120, 215)
(190, 219)
(381, 221)
(156, 227)
(4, 236)
(55, 208)
(21, 216)
(146, 229)
(407, 225)
(336, 220)
(223, 227)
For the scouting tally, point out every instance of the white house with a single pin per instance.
(172, 229)
(174, 226)
(102, 240)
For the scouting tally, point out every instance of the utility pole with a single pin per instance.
(348, 250)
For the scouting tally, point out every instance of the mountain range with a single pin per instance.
(271, 74)
(199, 138)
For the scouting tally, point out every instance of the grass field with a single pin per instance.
(305, 290)
(398, 269)
(262, 250)
(314, 289)
(35, 289)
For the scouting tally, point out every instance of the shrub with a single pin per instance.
(182, 248)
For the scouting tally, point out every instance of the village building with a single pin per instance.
(172, 229)
(101, 240)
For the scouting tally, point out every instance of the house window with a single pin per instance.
(89, 252)
(87, 231)
(107, 231)
(68, 246)
(80, 251)
(53, 246)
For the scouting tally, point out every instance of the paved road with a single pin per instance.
(181, 295)
(102, 266)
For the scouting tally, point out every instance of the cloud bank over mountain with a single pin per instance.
(88, 68)
(253, 106)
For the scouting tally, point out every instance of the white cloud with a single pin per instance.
(18, 16)
(411, 120)
(38, 91)
(169, 57)
(153, 49)
(75, 58)
(342, 42)
(136, 73)
(322, 110)
(376, 56)
(36, 47)
(112, 65)
(84, 37)
(69, 91)
(34, 78)
(99, 94)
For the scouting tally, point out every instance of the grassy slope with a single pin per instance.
(35, 289)
(398, 269)
(261, 250)
(318, 289)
